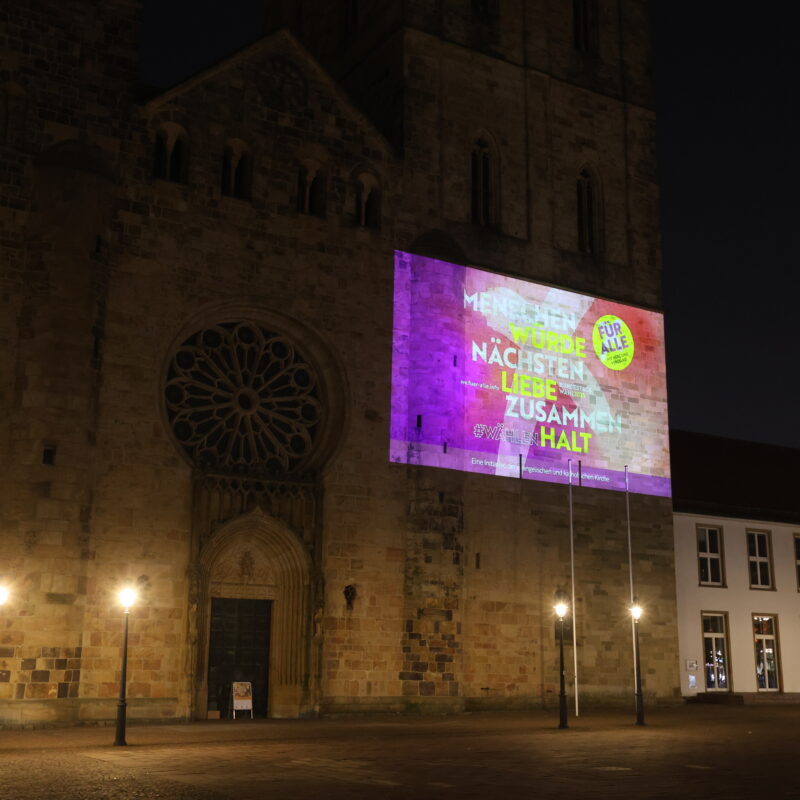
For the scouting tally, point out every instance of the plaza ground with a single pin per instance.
(686, 751)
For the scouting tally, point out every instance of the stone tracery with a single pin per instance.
(241, 399)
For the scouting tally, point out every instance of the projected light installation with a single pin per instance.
(496, 375)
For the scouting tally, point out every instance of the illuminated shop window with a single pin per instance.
(765, 638)
(759, 556)
(715, 652)
(709, 556)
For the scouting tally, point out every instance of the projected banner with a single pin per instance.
(497, 375)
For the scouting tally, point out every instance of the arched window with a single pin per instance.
(171, 154)
(311, 189)
(484, 10)
(227, 170)
(482, 188)
(4, 114)
(584, 25)
(353, 14)
(179, 160)
(351, 18)
(160, 156)
(589, 213)
(241, 176)
(237, 170)
(367, 201)
(12, 113)
(317, 192)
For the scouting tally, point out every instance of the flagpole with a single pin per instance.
(634, 620)
(572, 581)
(628, 518)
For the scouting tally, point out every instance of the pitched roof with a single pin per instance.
(265, 45)
(733, 478)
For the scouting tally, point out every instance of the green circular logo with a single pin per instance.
(613, 342)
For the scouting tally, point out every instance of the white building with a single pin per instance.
(737, 562)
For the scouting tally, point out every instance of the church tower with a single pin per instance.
(200, 334)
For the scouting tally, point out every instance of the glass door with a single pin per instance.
(766, 644)
(715, 651)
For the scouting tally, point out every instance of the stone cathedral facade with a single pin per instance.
(196, 348)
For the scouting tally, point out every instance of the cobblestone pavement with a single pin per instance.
(709, 751)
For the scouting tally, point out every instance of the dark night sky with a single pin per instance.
(727, 102)
(728, 116)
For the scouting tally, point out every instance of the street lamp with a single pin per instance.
(127, 597)
(636, 613)
(561, 609)
(4, 594)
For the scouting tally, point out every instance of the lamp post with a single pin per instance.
(561, 609)
(127, 597)
(636, 613)
(4, 595)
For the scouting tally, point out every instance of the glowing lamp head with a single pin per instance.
(636, 611)
(4, 593)
(561, 609)
(127, 597)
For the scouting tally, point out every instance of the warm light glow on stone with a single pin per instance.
(127, 597)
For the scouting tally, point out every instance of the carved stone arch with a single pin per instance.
(256, 556)
(171, 148)
(312, 179)
(237, 169)
(315, 349)
(367, 201)
(172, 129)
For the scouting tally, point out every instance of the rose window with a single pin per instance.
(241, 399)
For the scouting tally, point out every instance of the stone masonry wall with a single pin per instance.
(434, 588)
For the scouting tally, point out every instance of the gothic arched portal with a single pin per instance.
(255, 557)
(254, 402)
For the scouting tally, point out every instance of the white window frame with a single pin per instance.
(759, 559)
(710, 556)
(773, 637)
(716, 635)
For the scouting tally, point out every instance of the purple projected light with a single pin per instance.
(496, 375)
